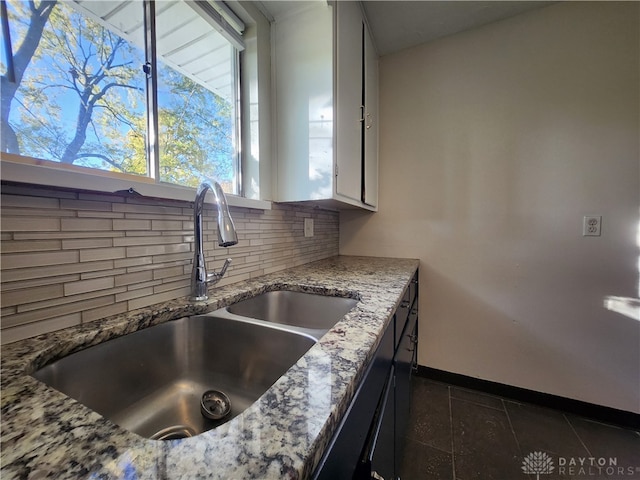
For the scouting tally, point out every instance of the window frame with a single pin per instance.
(34, 171)
(24, 169)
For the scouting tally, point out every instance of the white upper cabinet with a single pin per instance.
(326, 98)
(350, 99)
(370, 154)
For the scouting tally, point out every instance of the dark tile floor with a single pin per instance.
(460, 434)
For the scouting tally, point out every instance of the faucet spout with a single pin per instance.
(227, 237)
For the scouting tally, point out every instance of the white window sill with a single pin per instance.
(54, 177)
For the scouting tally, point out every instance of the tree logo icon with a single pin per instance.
(537, 463)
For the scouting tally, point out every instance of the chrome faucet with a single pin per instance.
(226, 237)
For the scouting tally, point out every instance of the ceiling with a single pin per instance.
(399, 24)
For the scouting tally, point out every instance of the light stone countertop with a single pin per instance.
(45, 434)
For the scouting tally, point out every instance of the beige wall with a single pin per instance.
(494, 143)
(70, 258)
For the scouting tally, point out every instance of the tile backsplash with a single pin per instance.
(71, 257)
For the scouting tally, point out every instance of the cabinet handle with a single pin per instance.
(404, 304)
(369, 122)
(362, 113)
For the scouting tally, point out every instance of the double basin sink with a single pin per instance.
(189, 375)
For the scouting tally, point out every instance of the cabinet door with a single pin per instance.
(349, 99)
(383, 461)
(370, 163)
(303, 57)
(343, 457)
(404, 363)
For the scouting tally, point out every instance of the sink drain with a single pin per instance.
(215, 405)
(174, 432)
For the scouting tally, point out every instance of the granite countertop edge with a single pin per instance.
(46, 434)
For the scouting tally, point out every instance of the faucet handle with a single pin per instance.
(215, 277)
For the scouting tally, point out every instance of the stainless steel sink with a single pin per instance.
(151, 382)
(306, 310)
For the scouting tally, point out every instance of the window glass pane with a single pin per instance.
(196, 99)
(79, 94)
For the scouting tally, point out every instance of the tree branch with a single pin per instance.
(118, 116)
(98, 96)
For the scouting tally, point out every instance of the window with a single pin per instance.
(141, 88)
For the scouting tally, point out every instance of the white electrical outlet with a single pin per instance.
(592, 226)
(308, 227)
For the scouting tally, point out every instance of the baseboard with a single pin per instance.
(577, 407)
